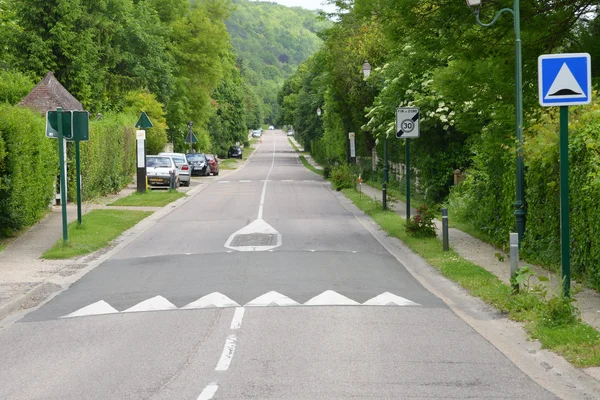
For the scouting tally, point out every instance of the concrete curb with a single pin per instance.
(16, 303)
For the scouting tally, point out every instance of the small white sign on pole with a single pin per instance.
(407, 122)
(141, 157)
(140, 134)
(352, 136)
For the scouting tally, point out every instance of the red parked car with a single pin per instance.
(213, 162)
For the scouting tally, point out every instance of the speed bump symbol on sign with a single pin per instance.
(407, 122)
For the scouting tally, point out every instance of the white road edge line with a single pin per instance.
(264, 191)
(208, 392)
(238, 316)
(227, 355)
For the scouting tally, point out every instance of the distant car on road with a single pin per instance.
(159, 169)
(271, 127)
(213, 162)
(199, 163)
(185, 171)
(290, 132)
(256, 134)
(235, 152)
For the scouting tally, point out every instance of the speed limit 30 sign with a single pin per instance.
(407, 122)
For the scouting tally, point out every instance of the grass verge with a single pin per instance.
(294, 146)
(98, 229)
(304, 161)
(553, 322)
(310, 167)
(151, 198)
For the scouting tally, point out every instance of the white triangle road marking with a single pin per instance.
(270, 299)
(98, 308)
(331, 298)
(213, 300)
(157, 303)
(388, 299)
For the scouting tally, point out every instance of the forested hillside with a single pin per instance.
(270, 41)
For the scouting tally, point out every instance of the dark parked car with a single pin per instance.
(235, 152)
(213, 161)
(199, 164)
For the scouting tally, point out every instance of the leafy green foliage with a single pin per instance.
(28, 168)
(107, 159)
(343, 177)
(14, 86)
(421, 225)
(137, 102)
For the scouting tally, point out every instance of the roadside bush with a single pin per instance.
(140, 100)
(421, 225)
(107, 159)
(343, 177)
(28, 168)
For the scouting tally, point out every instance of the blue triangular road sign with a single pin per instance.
(564, 79)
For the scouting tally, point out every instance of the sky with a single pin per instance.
(309, 4)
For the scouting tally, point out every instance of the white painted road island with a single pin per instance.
(264, 285)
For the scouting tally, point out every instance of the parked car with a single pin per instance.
(199, 164)
(183, 165)
(290, 132)
(256, 134)
(159, 169)
(271, 127)
(213, 162)
(235, 152)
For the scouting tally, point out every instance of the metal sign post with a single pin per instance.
(564, 80)
(143, 123)
(407, 127)
(63, 174)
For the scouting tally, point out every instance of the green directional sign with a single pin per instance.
(144, 122)
(52, 124)
(75, 125)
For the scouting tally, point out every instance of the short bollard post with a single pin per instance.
(514, 259)
(445, 229)
(171, 179)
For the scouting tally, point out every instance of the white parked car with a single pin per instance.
(159, 169)
(271, 127)
(185, 170)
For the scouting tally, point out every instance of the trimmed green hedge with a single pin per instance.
(107, 159)
(28, 168)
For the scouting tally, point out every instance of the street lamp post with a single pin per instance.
(520, 198)
(367, 72)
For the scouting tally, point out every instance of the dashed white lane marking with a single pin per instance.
(208, 392)
(227, 355)
(238, 316)
(218, 300)
(245, 181)
(157, 303)
(264, 191)
(287, 180)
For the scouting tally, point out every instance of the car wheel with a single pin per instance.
(217, 173)
(187, 184)
(178, 183)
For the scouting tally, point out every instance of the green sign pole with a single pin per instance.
(78, 172)
(565, 236)
(407, 179)
(63, 183)
(385, 173)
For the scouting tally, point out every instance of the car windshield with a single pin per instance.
(179, 161)
(195, 157)
(158, 162)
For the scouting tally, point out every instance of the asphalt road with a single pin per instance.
(261, 286)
